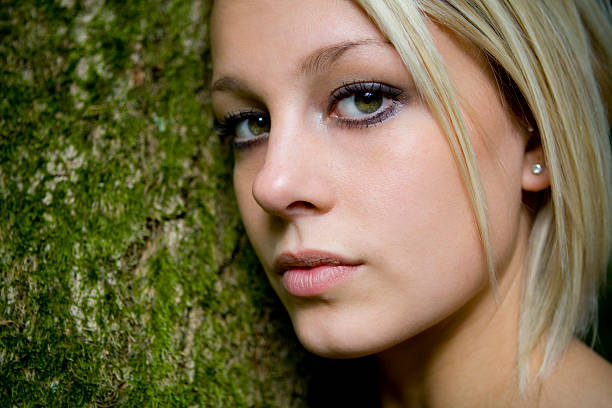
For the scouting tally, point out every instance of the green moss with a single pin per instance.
(125, 279)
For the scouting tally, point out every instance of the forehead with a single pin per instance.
(277, 32)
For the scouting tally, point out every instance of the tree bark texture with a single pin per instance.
(126, 277)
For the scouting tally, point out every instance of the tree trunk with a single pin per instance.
(126, 277)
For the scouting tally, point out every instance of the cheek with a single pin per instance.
(251, 213)
(406, 209)
(242, 189)
(409, 193)
(499, 146)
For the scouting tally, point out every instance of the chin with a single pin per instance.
(346, 338)
(337, 348)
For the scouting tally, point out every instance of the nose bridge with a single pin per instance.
(291, 180)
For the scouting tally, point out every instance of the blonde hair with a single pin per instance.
(554, 56)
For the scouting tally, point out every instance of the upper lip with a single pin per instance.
(309, 259)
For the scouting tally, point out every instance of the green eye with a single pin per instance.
(252, 126)
(368, 102)
(258, 125)
(364, 104)
(361, 103)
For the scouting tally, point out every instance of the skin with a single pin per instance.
(388, 195)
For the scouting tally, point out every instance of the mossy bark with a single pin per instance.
(125, 275)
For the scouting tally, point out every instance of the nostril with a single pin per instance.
(301, 205)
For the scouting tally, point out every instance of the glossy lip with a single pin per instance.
(309, 273)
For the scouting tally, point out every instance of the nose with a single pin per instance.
(295, 179)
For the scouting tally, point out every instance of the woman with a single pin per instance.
(428, 182)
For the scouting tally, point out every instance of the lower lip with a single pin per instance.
(308, 282)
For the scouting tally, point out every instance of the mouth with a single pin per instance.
(310, 272)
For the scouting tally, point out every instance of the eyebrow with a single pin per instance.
(318, 61)
(321, 59)
(225, 84)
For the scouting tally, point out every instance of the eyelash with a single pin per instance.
(226, 127)
(352, 88)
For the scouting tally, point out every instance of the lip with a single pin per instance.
(310, 273)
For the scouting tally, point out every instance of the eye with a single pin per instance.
(361, 103)
(252, 126)
(364, 104)
(244, 128)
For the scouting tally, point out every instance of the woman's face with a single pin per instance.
(345, 182)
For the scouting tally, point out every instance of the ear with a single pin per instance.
(533, 179)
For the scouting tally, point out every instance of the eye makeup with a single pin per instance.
(391, 101)
(358, 104)
(234, 124)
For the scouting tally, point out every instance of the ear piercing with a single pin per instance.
(537, 169)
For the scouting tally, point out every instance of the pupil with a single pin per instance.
(259, 125)
(368, 102)
(367, 97)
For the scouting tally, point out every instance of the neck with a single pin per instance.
(469, 359)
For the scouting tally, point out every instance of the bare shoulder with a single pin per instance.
(582, 378)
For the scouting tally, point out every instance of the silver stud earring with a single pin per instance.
(537, 169)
